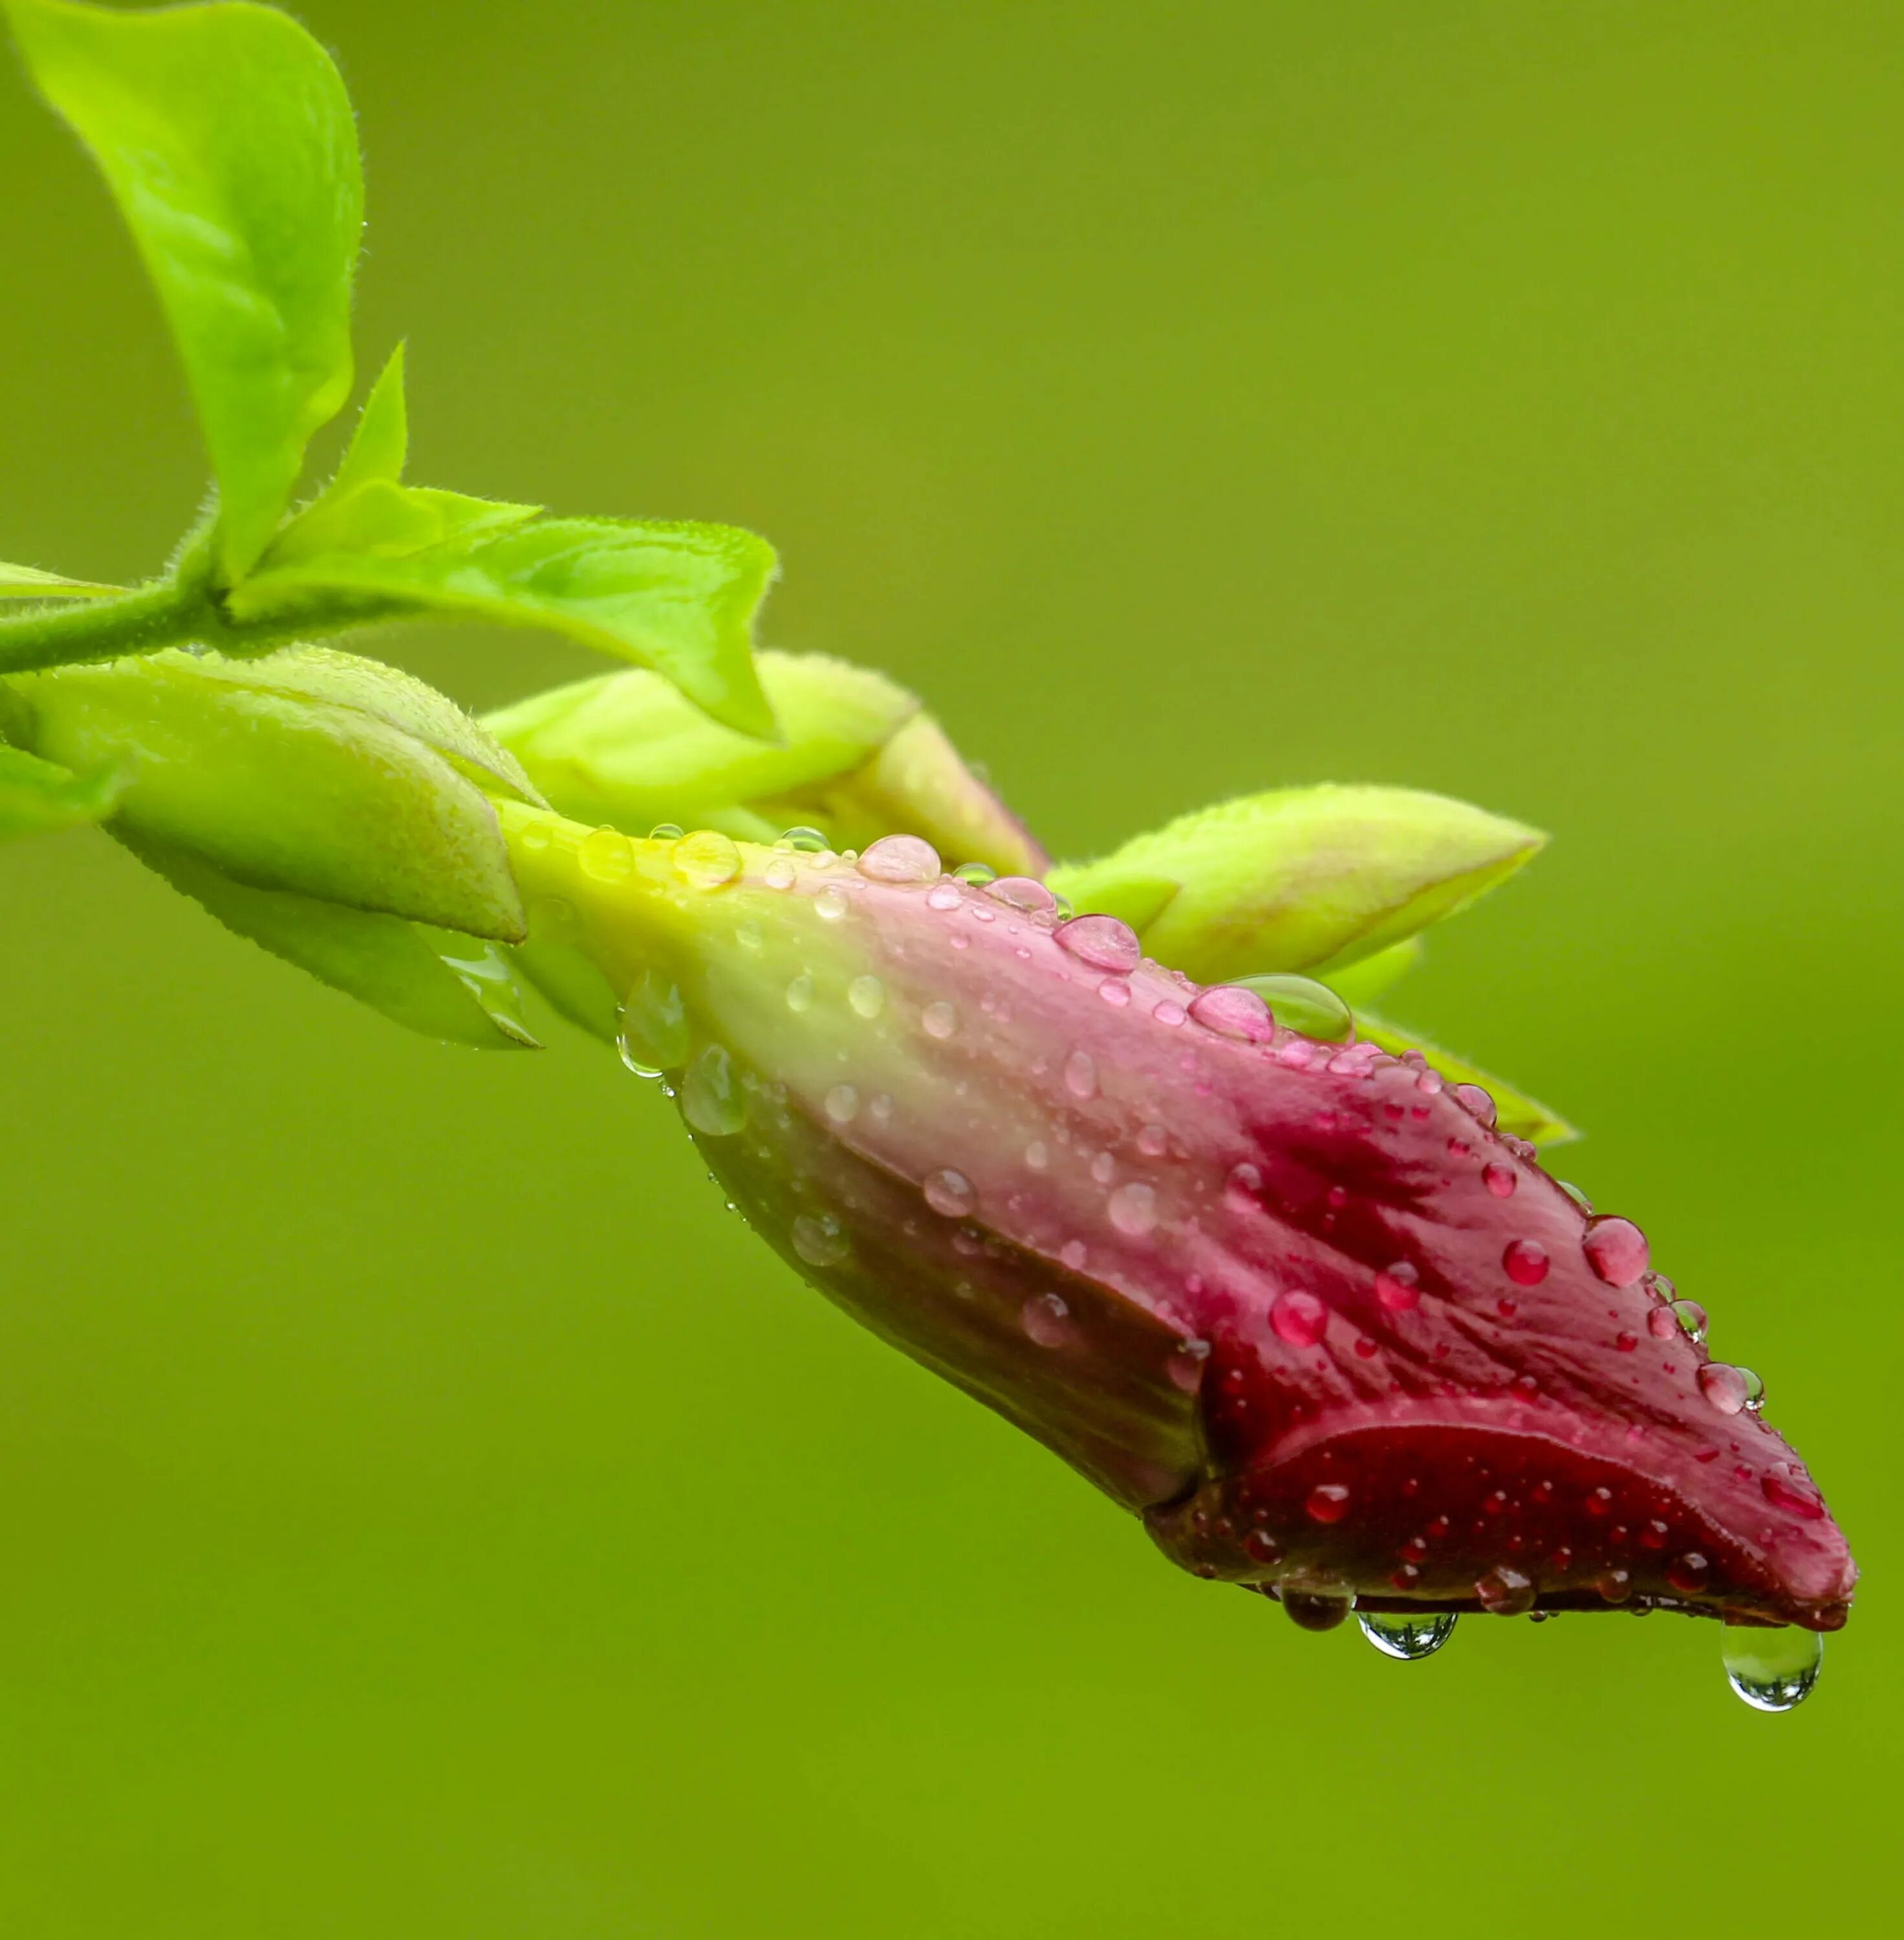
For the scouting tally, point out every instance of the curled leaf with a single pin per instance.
(28, 582)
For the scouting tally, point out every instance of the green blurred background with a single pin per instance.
(426, 1513)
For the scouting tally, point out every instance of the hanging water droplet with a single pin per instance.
(819, 1239)
(939, 1020)
(900, 859)
(1132, 1209)
(977, 874)
(831, 904)
(1301, 1004)
(1311, 1610)
(712, 1100)
(799, 993)
(1771, 1669)
(1232, 1011)
(949, 1193)
(607, 855)
(1102, 941)
(1616, 1250)
(808, 841)
(867, 994)
(1411, 1637)
(652, 1033)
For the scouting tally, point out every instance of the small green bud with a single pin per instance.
(1304, 879)
(857, 758)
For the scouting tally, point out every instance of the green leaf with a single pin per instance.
(366, 509)
(226, 137)
(678, 597)
(1514, 1113)
(28, 582)
(445, 986)
(279, 790)
(36, 796)
(1303, 879)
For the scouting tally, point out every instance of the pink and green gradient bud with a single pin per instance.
(1299, 1304)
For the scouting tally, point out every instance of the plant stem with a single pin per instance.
(165, 613)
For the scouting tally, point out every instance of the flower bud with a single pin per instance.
(858, 758)
(1299, 1304)
(1303, 879)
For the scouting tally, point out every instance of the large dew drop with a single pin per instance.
(1102, 941)
(1410, 1637)
(900, 859)
(1771, 1669)
(1230, 1011)
(707, 859)
(1301, 1004)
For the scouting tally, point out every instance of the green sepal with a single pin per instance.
(1311, 879)
(857, 758)
(1362, 983)
(454, 988)
(279, 790)
(28, 582)
(37, 796)
(1515, 1113)
(678, 597)
(366, 508)
(226, 137)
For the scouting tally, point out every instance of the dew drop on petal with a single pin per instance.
(1232, 1011)
(1081, 1074)
(1021, 892)
(819, 1239)
(900, 859)
(1153, 1141)
(1688, 1573)
(712, 1099)
(707, 859)
(1689, 1316)
(799, 993)
(1169, 1012)
(950, 1193)
(606, 855)
(808, 841)
(1479, 1103)
(1500, 1180)
(1301, 1004)
(1116, 992)
(1725, 1386)
(830, 902)
(1398, 1288)
(1505, 1592)
(1102, 941)
(652, 1033)
(666, 831)
(939, 1020)
(1326, 1502)
(1298, 1318)
(977, 874)
(1406, 1636)
(842, 1104)
(1132, 1209)
(1072, 1254)
(1186, 1368)
(1616, 1250)
(1771, 1669)
(780, 873)
(944, 896)
(867, 994)
(1046, 1318)
(1104, 1168)
(1526, 1262)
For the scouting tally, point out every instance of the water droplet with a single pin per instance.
(1500, 1180)
(939, 1020)
(1301, 1004)
(950, 1193)
(652, 1033)
(800, 992)
(1132, 1209)
(1616, 1250)
(781, 874)
(1153, 1141)
(819, 1239)
(1771, 1669)
(830, 902)
(712, 1099)
(666, 831)
(1038, 1155)
(1409, 1637)
(1072, 1254)
(1688, 1573)
(1729, 1389)
(1104, 1168)
(707, 859)
(1102, 941)
(842, 1104)
(900, 859)
(1186, 1369)
(607, 855)
(977, 874)
(1232, 1011)
(1298, 1318)
(1793, 1497)
(867, 994)
(1169, 1013)
(1615, 1585)
(1574, 1193)
(1398, 1288)
(1081, 1074)
(1047, 1319)
(1688, 1315)
(1326, 1502)
(1479, 1102)
(535, 837)
(1021, 892)
(1310, 1612)
(944, 896)
(1115, 992)
(1526, 1262)
(808, 841)
(1506, 1591)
